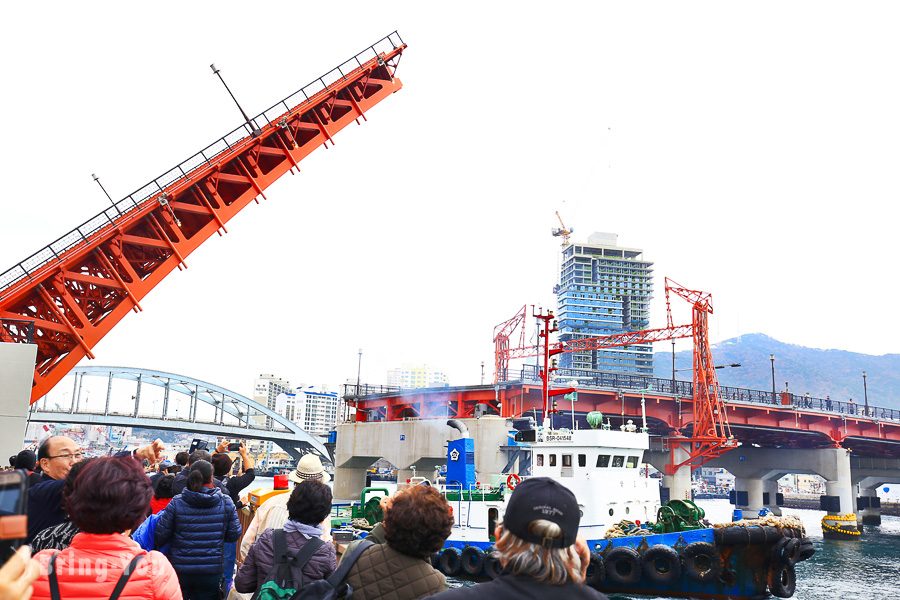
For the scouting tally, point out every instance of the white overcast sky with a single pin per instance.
(750, 149)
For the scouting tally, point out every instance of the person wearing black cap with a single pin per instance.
(538, 548)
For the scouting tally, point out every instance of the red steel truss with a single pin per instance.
(76, 290)
(502, 333)
(711, 434)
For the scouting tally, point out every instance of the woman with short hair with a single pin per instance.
(197, 523)
(308, 505)
(109, 497)
(417, 521)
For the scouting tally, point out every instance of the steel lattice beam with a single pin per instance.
(78, 295)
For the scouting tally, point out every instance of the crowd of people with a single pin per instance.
(99, 525)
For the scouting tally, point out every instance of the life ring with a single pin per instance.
(450, 562)
(661, 564)
(512, 480)
(782, 580)
(623, 566)
(701, 562)
(596, 571)
(472, 558)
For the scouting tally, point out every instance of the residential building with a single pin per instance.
(604, 289)
(314, 410)
(416, 376)
(265, 391)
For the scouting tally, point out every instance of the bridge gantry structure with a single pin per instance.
(133, 397)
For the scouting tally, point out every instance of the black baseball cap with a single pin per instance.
(542, 498)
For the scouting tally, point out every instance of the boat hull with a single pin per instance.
(746, 564)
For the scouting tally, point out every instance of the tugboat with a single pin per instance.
(638, 546)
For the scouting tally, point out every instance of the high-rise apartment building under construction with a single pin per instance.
(604, 289)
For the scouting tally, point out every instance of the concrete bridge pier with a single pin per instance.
(676, 485)
(770, 495)
(16, 374)
(757, 470)
(748, 495)
(869, 474)
(417, 442)
(869, 506)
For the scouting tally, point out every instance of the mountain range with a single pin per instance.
(837, 373)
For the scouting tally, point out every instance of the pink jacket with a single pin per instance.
(91, 566)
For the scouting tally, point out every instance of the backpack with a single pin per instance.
(117, 591)
(279, 584)
(334, 588)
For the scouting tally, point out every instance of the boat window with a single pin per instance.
(618, 461)
(632, 462)
(567, 460)
(603, 461)
(582, 460)
(552, 460)
(540, 460)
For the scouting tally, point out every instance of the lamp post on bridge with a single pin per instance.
(772, 359)
(865, 394)
(673, 367)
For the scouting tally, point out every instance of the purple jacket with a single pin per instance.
(260, 561)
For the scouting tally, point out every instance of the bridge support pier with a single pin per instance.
(748, 495)
(770, 496)
(757, 471)
(677, 485)
(16, 373)
(869, 506)
(869, 474)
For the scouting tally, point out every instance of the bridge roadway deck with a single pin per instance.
(789, 421)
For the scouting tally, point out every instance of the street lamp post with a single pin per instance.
(772, 359)
(673, 366)
(865, 394)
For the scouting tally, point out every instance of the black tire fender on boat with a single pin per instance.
(782, 580)
(450, 562)
(472, 558)
(661, 564)
(787, 551)
(623, 566)
(596, 571)
(806, 549)
(492, 567)
(701, 562)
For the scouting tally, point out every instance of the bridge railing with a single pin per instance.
(16, 331)
(353, 390)
(127, 205)
(685, 389)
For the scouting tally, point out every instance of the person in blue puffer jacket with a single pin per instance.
(196, 524)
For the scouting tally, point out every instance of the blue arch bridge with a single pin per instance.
(131, 397)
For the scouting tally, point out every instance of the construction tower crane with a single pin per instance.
(562, 231)
(711, 435)
(75, 290)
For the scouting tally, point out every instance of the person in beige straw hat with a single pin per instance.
(273, 513)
